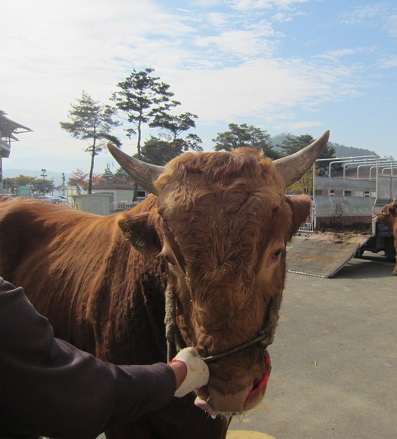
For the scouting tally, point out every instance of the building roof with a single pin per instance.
(9, 127)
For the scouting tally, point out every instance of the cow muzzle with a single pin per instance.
(248, 394)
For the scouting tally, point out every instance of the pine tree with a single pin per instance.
(91, 121)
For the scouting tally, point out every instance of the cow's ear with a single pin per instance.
(139, 229)
(300, 206)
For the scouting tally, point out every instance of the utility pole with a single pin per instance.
(44, 175)
(63, 183)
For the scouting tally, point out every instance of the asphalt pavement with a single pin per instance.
(334, 357)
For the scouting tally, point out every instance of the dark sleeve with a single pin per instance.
(49, 387)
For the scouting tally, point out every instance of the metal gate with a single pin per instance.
(309, 226)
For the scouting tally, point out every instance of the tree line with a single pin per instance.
(79, 179)
(143, 101)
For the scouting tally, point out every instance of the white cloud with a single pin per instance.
(217, 20)
(221, 64)
(364, 14)
(243, 44)
(380, 15)
(260, 90)
(263, 4)
(388, 63)
(336, 55)
(391, 24)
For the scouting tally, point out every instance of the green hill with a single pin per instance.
(350, 151)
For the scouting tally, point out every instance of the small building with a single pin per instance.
(99, 204)
(121, 196)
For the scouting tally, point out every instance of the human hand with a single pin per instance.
(197, 371)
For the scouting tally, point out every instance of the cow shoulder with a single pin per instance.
(19, 232)
(300, 207)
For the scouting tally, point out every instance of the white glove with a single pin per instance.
(197, 371)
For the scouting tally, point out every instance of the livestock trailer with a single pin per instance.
(348, 193)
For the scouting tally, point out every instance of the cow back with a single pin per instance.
(79, 270)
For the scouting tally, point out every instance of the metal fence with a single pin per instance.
(309, 226)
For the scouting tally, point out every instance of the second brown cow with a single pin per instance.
(388, 216)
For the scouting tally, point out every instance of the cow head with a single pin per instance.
(387, 214)
(222, 224)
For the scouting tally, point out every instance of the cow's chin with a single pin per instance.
(215, 403)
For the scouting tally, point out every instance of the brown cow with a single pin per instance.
(212, 243)
(388, 216)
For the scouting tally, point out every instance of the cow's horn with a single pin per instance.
(143, 173)
(295, 165)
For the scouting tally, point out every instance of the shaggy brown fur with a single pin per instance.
(231, 220)
(216, 236)
(99, 294)
(388, 216)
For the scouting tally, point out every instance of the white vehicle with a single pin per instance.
(59, 199)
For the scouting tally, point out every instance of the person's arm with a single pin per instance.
(50, 388)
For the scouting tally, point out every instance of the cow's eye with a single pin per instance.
(277, 253)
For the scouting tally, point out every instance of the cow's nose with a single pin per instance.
(261, 385)
(230, 402)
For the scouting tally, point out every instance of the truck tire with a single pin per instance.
(359, 253)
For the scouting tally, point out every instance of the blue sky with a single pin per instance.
(286, 66)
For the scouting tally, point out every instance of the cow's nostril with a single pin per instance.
(256, 384)
(260, 385)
